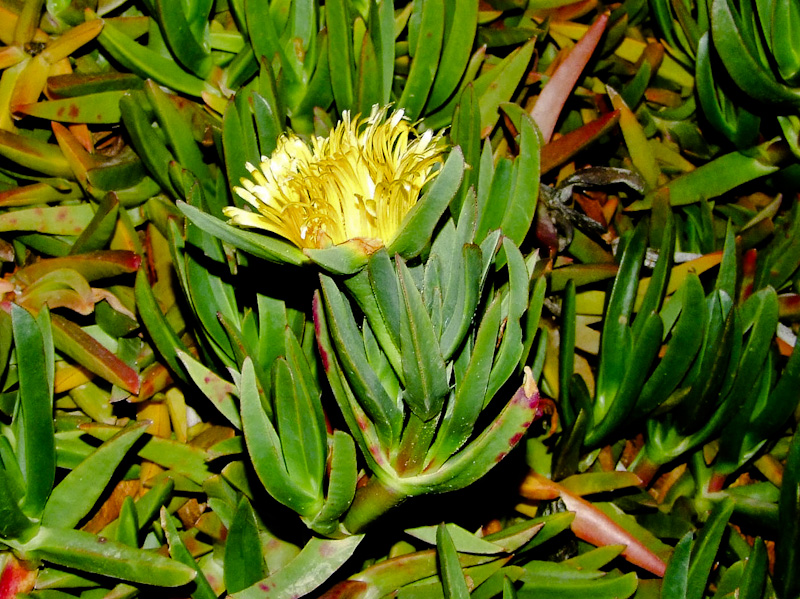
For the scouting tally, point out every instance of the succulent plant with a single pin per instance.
(585, 258)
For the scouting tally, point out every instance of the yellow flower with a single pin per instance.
(357, 183)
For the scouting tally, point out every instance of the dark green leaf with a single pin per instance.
(244, 562)
(36, 440)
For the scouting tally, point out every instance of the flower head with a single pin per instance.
(357, 183)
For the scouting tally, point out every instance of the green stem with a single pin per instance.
(370, 503)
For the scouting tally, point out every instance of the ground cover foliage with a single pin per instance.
(362, 299)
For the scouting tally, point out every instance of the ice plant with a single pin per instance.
(358, 183)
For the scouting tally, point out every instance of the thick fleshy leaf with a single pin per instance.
(453, 582)
(487, 449)
(340, 48)
(97, 108)
(264, 447)
(36, 155)
(73, 341)
(179, 552)
(425, 60)
(787, 555)
(361, 379)
(342, 483)
(36, 442)
(550, 102)
(423, 365)
(147, 63)
(90, 553)
(459, 36)
(261, 246)
(418, 225)
(77, 493)
(219, 391)
(244, 561)
(463, 540)
(594, 526)
(315, 564)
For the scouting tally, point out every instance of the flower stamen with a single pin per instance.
(357, 183)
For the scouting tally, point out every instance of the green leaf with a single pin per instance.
(719, 176)
(36, 440)
(178, 132)
(704, 552)
(301, 434)
(644, 351)
(244, 561)
(381, 22)
(498, 84)
(787, 545)
(342, 483)
(566, 354)
(755, 572)
(34, 154)
(219, 391)
(508, 355)
(346, 258)
(361, 379)
(179, 552)
(740, 61)
(417, 227)
(147, 506)
(726, 115)
(549, 580)
(462, 540)
(426, 59)
(525, 184)
(147, 63)
(13, 522)
(686, 340)
(364, 431)
(676, 578)
(616, 340)
(163, 336)
(487, 449)
(340, 44)
(468, 401)
(99, 108)
(148, 146)
(423, 366)
(77, 493)
(459, 36)
(657, 286)
(100, 229)
(315, 564)
(453, 582)
(264, 447)
(50, 220)
(383, 281)
(260, 246)
(191, 50)
(491, 213)
(367, 93)
(469, 276)
(128, 524)
(89, 553)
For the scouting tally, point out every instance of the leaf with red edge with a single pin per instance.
(15, 578)
(74, 342)
(554, 95)
(594, 526)
(92, 266)
(560, 150)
